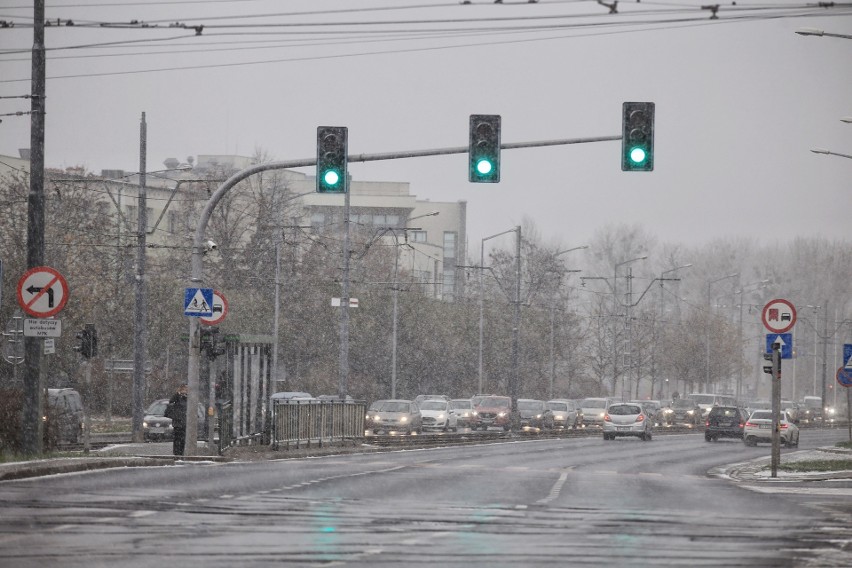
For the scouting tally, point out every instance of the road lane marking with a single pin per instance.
(557, 487)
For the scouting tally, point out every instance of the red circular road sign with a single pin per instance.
(779, 316)
(844, 376)
(42, 292)
(220, 310)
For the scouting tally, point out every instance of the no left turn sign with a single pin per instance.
(42, 292)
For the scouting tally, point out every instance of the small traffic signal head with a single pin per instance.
(332, 150)
(484, 149)
(637, 137)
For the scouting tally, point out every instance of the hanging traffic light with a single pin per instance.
(637, 140)
(88, 337)
(332, 150)
(484, 150)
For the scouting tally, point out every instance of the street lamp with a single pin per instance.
(553, 326)
(829, 152)
(482, 297)
(662, 279)
(741, 291)
(396, 299)
(707, 327)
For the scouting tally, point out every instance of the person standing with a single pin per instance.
(176, 410)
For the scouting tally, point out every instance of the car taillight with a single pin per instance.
(607, 418)
(750, 424)
(707, 424)
(640, 418)
(783, 426)
(742, 425)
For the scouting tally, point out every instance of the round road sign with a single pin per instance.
(779, 316)
(844, 376)
(220, 310)
(42, 292)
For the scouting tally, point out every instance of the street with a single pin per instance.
(522, 503)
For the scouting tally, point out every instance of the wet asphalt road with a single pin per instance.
(521, 503)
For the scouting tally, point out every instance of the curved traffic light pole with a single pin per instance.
(197, 273)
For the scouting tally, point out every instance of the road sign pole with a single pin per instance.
(776, 408)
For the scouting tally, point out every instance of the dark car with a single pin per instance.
(157, 427)
(725, 422)
(683, 411)
(532, 413)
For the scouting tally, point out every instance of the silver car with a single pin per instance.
(627, 419)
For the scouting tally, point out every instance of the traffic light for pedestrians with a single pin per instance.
(484, 150)
(332, 150)
(637, 139)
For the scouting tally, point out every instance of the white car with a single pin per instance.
(463, 409)
(563, 414)
(593, 411)
(627, 419)
(437, 416)
(758, 428)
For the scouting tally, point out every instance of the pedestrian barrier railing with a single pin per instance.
(305, 423)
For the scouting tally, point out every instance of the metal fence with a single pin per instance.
(306, 423)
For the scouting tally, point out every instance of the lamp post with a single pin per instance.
(740, 339)
(553, 326)
(662, 279)
(627, 311)
(707, 327)
(482, 297)
(829, 152)
(396, 299)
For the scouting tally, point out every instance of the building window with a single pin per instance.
(417, 236)
(449, 245)
(449, 287)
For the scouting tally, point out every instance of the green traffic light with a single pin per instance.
(331, 178)
(637, 155)
(484, 167)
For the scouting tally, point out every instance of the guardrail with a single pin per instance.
(305, 423)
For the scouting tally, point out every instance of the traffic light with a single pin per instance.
(774, 358)
(88, 337)
(637, 137)
(484, 150)
(332, 150)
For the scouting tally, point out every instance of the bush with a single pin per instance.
(11, 409)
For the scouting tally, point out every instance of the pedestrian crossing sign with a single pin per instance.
(198, 302)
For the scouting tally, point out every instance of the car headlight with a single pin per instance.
(690, 412)
(475, 413)
(601, 415)
(440, 417)
(144, 424)
(404, 419)
(501, 414)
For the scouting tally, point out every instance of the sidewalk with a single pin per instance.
(758, 470)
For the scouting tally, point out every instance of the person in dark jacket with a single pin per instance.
(176, 410)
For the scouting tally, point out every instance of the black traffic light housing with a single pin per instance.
(637, 137)
(774, 358)
(332, 151)
(484, 149)
(88, 337)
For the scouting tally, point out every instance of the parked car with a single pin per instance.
(63, 418)
(594, 410)
(397, 416)
(683, 411)
(706, 401)
(437, 416)
(725, 422)
(463, 409)
(627, 419)
(156, 427)
(531, 413)
(562, 414)
(421, 397)
(494, 411)
(758, 428)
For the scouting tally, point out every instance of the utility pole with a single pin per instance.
(140, 320)
(32, 426)
(824, 355)
(514, 386)
(343, 361)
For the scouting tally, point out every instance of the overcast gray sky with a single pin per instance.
(740, 100)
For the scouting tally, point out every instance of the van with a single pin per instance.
(63, 417)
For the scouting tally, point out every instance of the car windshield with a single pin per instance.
(726, 412)
(594, 403)
(683, 403)
(762, 415)
(624, 409)
(157, 408)
(530, 405)
(460, 404)
(558, 406)
(433, 405)
(394, 406)
(492, 402)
